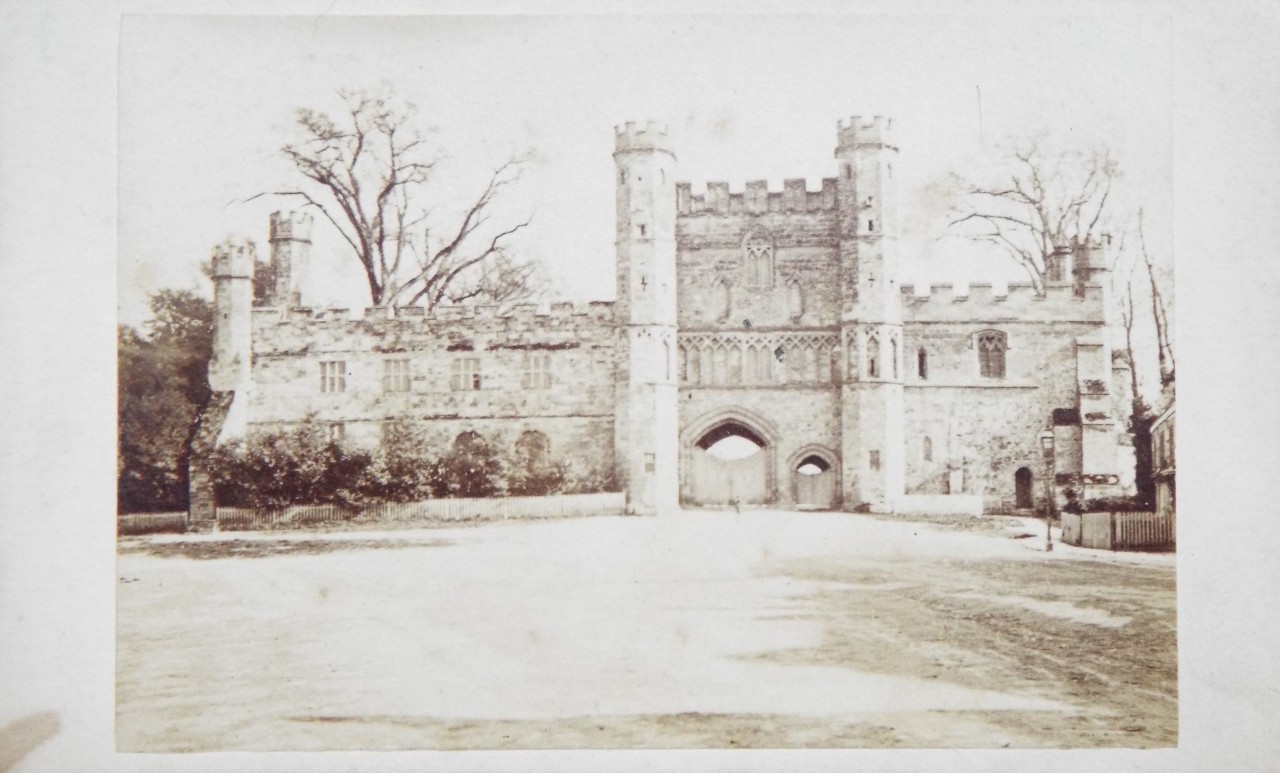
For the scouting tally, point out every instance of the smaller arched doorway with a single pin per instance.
(1022, 488)
(815, 483)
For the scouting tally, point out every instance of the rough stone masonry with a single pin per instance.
(773, 316)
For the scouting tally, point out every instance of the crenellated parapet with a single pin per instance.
(300, 323)
(293, 226)
(1017, 300)
(233, 260)
(756, 198)
(649, 136)
(857, 130)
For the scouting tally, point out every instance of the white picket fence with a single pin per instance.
(149, 523)
(496, 508)
(1119, 531)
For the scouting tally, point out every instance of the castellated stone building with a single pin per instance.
(774, 316)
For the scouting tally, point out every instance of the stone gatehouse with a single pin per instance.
(774, 316)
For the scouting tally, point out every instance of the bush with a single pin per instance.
(593, 481)
(470, 469)
(301, 466)
(1113, 505)
(539, 481)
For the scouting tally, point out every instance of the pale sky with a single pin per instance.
(205, 102)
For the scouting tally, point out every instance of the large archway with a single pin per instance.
(730, 467)
(728, 458)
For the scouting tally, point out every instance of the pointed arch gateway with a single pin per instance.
(728, 457)
(815, 478)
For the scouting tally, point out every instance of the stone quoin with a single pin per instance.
(774, 316)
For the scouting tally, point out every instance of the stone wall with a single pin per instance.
(793, 419)
(715, 289)
(572, 404)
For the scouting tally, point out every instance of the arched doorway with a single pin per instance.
(1022, 488)
(729, 466)
(815, 482)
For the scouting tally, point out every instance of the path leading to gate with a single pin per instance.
(697, 629)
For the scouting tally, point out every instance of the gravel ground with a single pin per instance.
(694, 630)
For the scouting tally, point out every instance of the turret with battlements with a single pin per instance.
(232, 307)
(647, 407)
(290, 236)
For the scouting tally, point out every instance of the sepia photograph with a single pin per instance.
(645, 382)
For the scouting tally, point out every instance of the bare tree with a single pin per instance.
(1044, 202)
(1159, 312)
(368, 173)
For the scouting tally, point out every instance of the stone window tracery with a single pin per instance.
(991, 350)
(873, 355)
(758, 251)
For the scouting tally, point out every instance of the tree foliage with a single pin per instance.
(162, 385)
(299, 466)
(470, 468)
(369, 171)
(1041, 201)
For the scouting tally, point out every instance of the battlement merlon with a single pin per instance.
(1091, 254)
(756, 197)
(649, 137)
(378, 317)
(1016, 301)
(233, 261)
(290, 226)
(861, 132)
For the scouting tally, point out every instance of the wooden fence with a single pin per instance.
(1119, 531)
(151, 523)
(495, 508)
(1137, 530)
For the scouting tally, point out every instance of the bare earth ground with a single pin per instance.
(694, 630)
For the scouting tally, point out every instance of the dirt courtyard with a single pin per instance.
(692, 630)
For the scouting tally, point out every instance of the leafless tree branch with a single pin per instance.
(371, 170)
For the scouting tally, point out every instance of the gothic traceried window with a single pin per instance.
(873, 355)
(795, 299)
(759, 261)
(991, 348)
